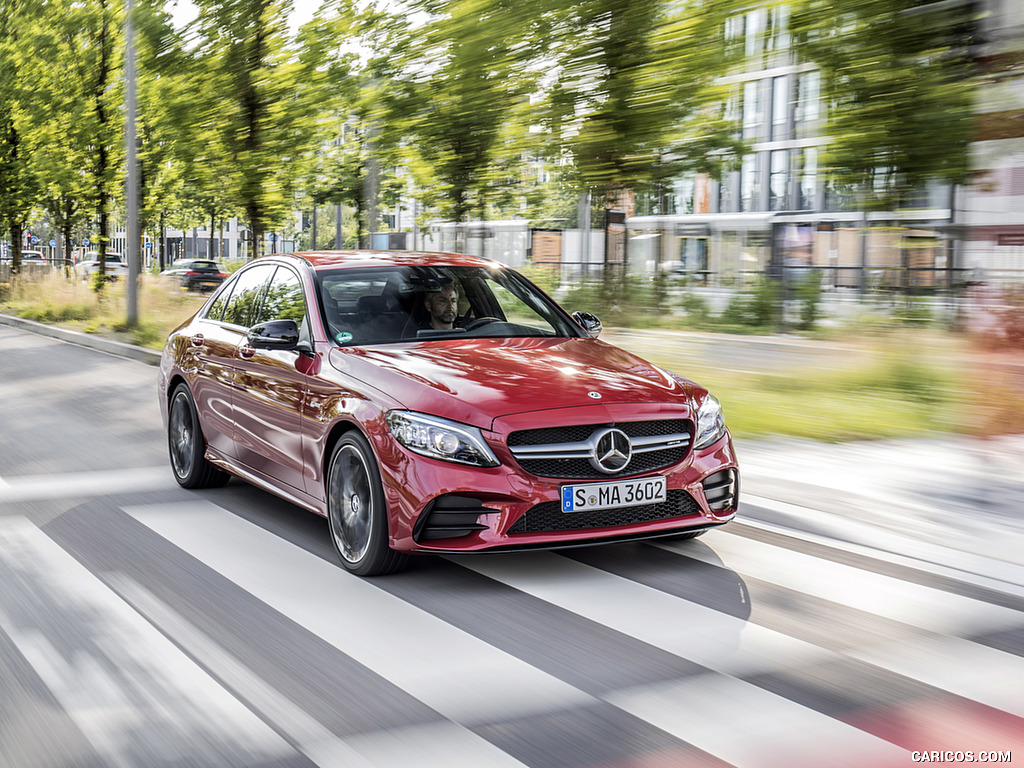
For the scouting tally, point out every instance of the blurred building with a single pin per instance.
(779, 211)
(991, 208)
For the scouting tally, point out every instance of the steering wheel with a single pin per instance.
(481, 321)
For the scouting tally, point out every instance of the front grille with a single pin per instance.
(548, 517)
(565, 451)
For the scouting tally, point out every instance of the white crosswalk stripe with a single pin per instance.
(470, 681)
(126, 684)
(924, 607)
(182, 675)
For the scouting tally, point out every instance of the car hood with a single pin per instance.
(478, 380)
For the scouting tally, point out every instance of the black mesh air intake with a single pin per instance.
(548, 517)
(448, 517)
(722, 490)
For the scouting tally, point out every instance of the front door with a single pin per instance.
(270, 391)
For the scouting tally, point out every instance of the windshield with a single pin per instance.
(392, 304)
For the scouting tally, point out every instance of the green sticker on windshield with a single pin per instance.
(343, 338)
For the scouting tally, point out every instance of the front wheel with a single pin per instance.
(357, 511)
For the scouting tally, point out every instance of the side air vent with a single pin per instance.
(448, 517)
(722, 490)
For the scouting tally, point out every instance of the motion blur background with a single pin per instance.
(813, 208)
(849, 172)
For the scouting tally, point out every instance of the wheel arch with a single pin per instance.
(339, 429)
(172, 385)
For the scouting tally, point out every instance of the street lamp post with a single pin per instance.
(132, 191)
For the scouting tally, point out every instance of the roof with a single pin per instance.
(331, 259)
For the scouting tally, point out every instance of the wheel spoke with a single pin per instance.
(181, 435)
(350, 505)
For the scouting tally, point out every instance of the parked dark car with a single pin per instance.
(195, 274)
(323, 378)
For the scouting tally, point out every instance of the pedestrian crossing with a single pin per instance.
(206, 638)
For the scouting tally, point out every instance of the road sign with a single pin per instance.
(34, 240)
(53, 243)
(85, 241)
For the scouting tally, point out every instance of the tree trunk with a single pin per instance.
(16, 234)
(102, 160)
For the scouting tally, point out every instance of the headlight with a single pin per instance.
(710, 422)
(440, 438)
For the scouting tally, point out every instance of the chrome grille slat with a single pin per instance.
(540, 452)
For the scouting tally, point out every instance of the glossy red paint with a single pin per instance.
(272, 417)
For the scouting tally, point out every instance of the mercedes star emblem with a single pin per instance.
(612, 451)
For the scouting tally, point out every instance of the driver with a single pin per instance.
(442, 308)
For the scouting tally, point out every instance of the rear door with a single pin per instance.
(270, 389)
(214, 344)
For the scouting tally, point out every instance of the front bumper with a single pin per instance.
(439, 507)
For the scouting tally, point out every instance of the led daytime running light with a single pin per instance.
(440, 438)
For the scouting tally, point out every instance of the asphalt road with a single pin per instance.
(865, 608)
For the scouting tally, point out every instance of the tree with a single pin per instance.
(900, 84)
(18, 185)
(260, 107)
(634, 97)
(100, 50)
(166, 130)
(457, 86)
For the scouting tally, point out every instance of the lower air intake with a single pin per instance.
(448, 517)
(548, 517)
(722, 490)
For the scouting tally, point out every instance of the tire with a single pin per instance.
(357, 511)
(186, 444)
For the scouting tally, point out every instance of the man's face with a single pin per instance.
(443, 307)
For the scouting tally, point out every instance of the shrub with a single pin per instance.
(808, 294)
(757, 306)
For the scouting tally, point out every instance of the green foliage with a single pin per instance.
(901, 82)
(808, 295)
(634, 95)
(913, 310)
(757, 307)
(695, 308)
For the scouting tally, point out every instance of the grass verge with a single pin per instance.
(883, 384)
(56, 300)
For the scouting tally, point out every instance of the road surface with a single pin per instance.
(863, 610)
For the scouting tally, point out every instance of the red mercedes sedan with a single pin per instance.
(437, 403)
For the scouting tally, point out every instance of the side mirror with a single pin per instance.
(589, 322)
(274, 334)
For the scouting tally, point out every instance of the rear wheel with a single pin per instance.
(187, 446)
(357, 512)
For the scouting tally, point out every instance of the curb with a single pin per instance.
(119, 348)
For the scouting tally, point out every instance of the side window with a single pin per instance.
(216, 310)
(284, 299)
(243, 306)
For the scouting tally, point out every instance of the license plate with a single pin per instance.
(616, 494)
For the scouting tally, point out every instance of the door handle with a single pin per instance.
(246, 352)
(198, 340)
